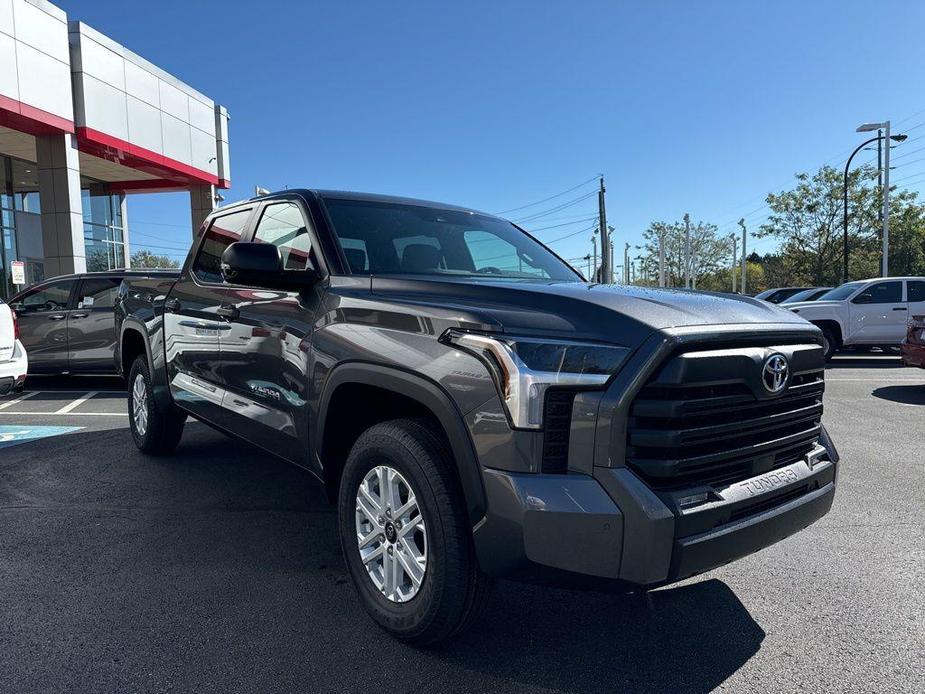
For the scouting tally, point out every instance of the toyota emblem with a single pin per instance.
(774, 373)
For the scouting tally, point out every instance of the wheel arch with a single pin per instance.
(830, 324)
(398, 386)
(133, 342)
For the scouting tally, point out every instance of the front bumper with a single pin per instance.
(610, 528)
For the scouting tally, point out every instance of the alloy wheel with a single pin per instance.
(391, 534)
(140, 405)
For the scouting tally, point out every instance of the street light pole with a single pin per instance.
(744, 242)
(734, 239)
(886, 200)
(687, 251)
(886, 137)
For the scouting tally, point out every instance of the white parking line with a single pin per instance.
(76, 403)
(66, 414)
(18, 400)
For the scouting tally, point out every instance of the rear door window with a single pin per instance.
(98, 293)
(222, 232)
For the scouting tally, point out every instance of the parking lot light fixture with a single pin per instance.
(864, 128)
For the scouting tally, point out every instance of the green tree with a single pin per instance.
(709, 252)
(808, 221)
(147, 259)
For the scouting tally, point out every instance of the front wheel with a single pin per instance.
(155, 432)
(829, 343)
(405, 534)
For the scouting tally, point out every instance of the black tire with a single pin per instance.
(161, 430)
(453, 592)
(831, 343)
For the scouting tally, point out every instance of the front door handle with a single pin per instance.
(900, 308)
(172, 305)
(228, 312)
(57, 316)
(79, 315)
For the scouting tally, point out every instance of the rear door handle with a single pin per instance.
(900, 308)
(79, 315)
(172, 305)
(57, 316)
(228, 312)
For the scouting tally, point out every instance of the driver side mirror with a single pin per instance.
(260, 265)
(18, 307)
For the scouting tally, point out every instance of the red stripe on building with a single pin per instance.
(114, 149)
(29, 119)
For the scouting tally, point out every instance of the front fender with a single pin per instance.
(430, 395)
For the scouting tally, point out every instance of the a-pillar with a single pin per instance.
(62, 211)
(201, 202)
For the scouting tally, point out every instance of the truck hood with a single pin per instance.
(813, 304)
(618, 313)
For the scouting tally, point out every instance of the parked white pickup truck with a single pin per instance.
(870, 312)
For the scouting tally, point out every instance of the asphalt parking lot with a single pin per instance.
(219, 570)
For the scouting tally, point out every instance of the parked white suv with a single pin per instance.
(13, 360)
(870, 312)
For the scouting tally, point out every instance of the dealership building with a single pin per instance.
(83, 123)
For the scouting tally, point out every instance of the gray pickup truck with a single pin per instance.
(475, 408)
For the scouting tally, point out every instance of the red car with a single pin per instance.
(912, 348)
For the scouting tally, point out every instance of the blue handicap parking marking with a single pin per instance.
(12, 435)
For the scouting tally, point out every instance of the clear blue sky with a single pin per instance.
(699, 107)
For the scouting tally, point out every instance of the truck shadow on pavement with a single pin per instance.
(689, 638)
(220, 568)
(904, 395)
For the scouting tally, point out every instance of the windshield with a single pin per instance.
(841, 292)
(394, 238)
(806, 295)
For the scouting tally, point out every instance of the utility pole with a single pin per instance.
(744, 237)
(626, 264)
(606, 264)
(693, 268)
(591, 275)
(661, 257)
(734, 239)
(687, 251)
(886, 199)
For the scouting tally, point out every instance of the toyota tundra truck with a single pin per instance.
(474, 407)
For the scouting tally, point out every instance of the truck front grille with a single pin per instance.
(704, 419)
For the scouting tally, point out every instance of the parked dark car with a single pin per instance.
(778, 295)
(476, 408)
(66, 323)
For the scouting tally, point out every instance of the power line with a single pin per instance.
(562, 206)
(568, 236)
(565, 224)
(551, 197)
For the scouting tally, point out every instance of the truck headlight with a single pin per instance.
(524, 368)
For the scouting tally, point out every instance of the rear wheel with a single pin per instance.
(155, 432)
(405, 534)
